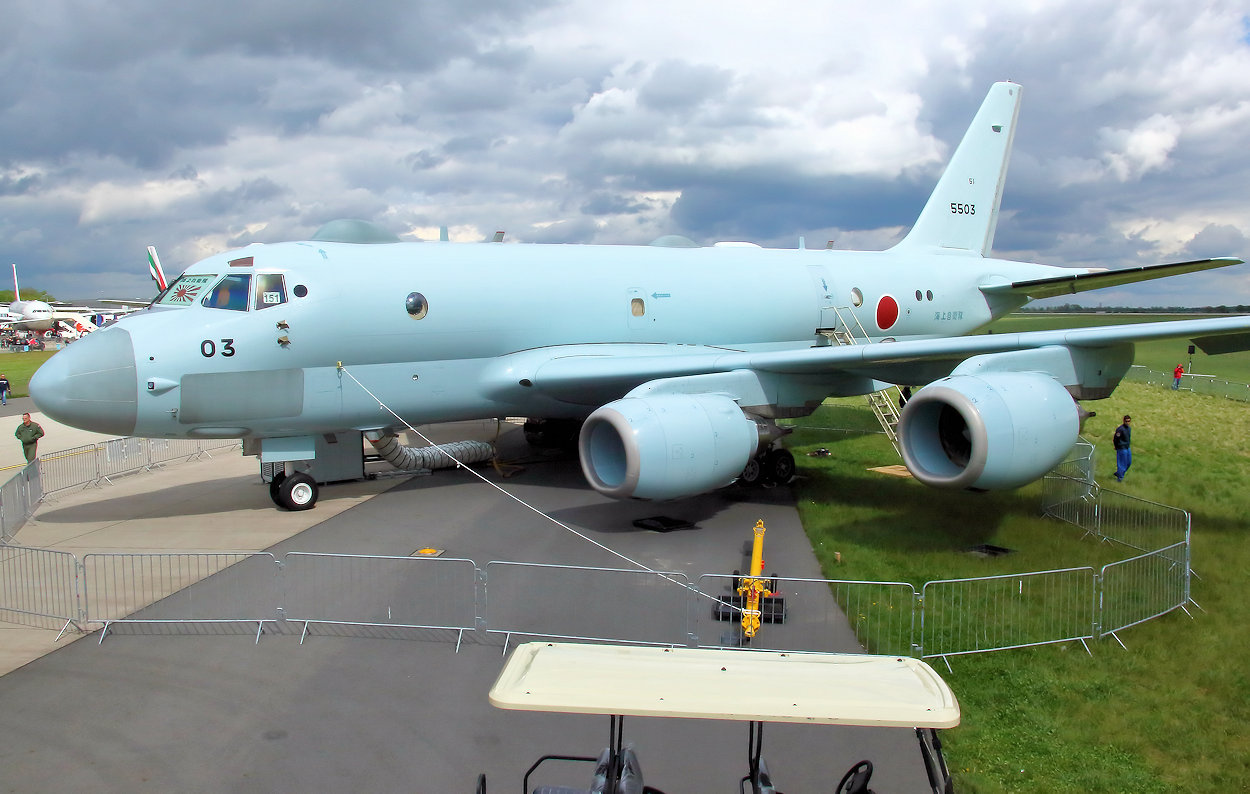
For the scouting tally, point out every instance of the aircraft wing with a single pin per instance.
(581, 372)
(1083, 280)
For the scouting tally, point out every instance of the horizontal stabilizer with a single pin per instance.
(1228, 343)
(1083, 280)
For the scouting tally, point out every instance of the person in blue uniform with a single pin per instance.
(1122, 439)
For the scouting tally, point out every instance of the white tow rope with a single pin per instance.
(444, 451)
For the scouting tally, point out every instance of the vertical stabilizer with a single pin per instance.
(962, 213)
(155, 270)
(17, 293)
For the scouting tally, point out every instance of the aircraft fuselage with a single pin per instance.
(273, 369)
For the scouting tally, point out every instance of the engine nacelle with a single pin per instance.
(666, 446)
(988, 432)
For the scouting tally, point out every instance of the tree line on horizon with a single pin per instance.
(1076, 308)
(28, 294)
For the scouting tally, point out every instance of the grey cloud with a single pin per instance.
(424, 159)
(10, 186)
(604, 203)
(680, 86)
(1218, 240)
(252, 192)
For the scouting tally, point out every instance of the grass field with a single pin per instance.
(1166, 714)
(20, 366)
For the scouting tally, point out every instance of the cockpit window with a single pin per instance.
(230, 293)
(186, 290)
(270, 290)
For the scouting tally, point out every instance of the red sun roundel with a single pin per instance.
(887, 312)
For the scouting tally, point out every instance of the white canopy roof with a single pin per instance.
(769, 686)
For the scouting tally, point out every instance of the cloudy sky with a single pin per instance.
(198, 127)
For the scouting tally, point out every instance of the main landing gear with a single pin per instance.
(295, 491)
(771, 467)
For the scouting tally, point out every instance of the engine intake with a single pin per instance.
(988, 432)
(666, 446)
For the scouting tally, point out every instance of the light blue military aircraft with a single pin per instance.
(676, 362)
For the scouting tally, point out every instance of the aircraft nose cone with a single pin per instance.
(91, 384)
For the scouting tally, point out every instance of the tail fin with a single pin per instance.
(17, 293)
(155, 270)
(962, 212)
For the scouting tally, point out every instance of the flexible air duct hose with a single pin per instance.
(417, 458)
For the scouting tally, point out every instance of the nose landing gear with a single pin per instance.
(295, 491)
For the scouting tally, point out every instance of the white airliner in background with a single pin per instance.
(37, 315)
(676, 362)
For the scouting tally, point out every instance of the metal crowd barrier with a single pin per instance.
(242, 587)
(1199, 384)
(93, 464)
(18, 499)
(953, 617)
(881, 615)
(583, 603)
(38, 587)
(1143, 588)
(398, 592)
(993, 613)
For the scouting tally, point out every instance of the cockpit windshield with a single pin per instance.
(230, 293)
(233, 292)
(186, 290)
(270, 290)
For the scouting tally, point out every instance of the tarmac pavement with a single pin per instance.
(208, 709)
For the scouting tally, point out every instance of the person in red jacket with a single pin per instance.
(1176, 376)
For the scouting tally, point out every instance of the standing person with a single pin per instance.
(1122, 439)
(29, 433)
(1176, 376)
(4, 389)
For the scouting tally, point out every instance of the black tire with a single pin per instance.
(779, 466)
(298, 492)
(274, 485)
(753, 472)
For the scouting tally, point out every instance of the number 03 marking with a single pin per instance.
(208, 348)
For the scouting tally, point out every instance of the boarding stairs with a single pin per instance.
(885, 403)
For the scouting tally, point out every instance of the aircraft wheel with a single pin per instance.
(752, 473)
(779, 466)
(274, 485)
(298, 492)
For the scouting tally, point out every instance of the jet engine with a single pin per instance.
(988, 432)
(666, 446)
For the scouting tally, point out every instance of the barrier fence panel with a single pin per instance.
(1144, 587)
(579, 603)
(1071, 499)
(38, 587)
(18, 499)
(1137, 523)
(821, 615)
(1195, 382)
(122, 456)
(68, 468)
(411, 592)
(1011, 611)
(164, 450)
(229, 587)
(88, 465)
